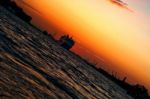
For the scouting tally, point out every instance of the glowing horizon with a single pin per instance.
(114, 33)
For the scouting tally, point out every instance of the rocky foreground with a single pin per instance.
(32, 65)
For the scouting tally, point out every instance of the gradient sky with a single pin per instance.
(118, 35)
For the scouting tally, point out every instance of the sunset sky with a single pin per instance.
(119, 34)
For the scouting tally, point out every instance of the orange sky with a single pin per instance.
(114, 33)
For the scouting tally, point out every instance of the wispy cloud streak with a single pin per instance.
(121, 4)
(28, 5)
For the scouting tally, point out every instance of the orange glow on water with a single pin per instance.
(114, 33)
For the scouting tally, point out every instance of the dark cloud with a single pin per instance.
(121, 4)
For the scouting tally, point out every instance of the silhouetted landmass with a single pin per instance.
(48, 35)
(136, 91)
(66, 42)
(4, 2)
(15, 9)
(34, 66)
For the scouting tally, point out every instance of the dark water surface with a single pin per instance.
(32, 65)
